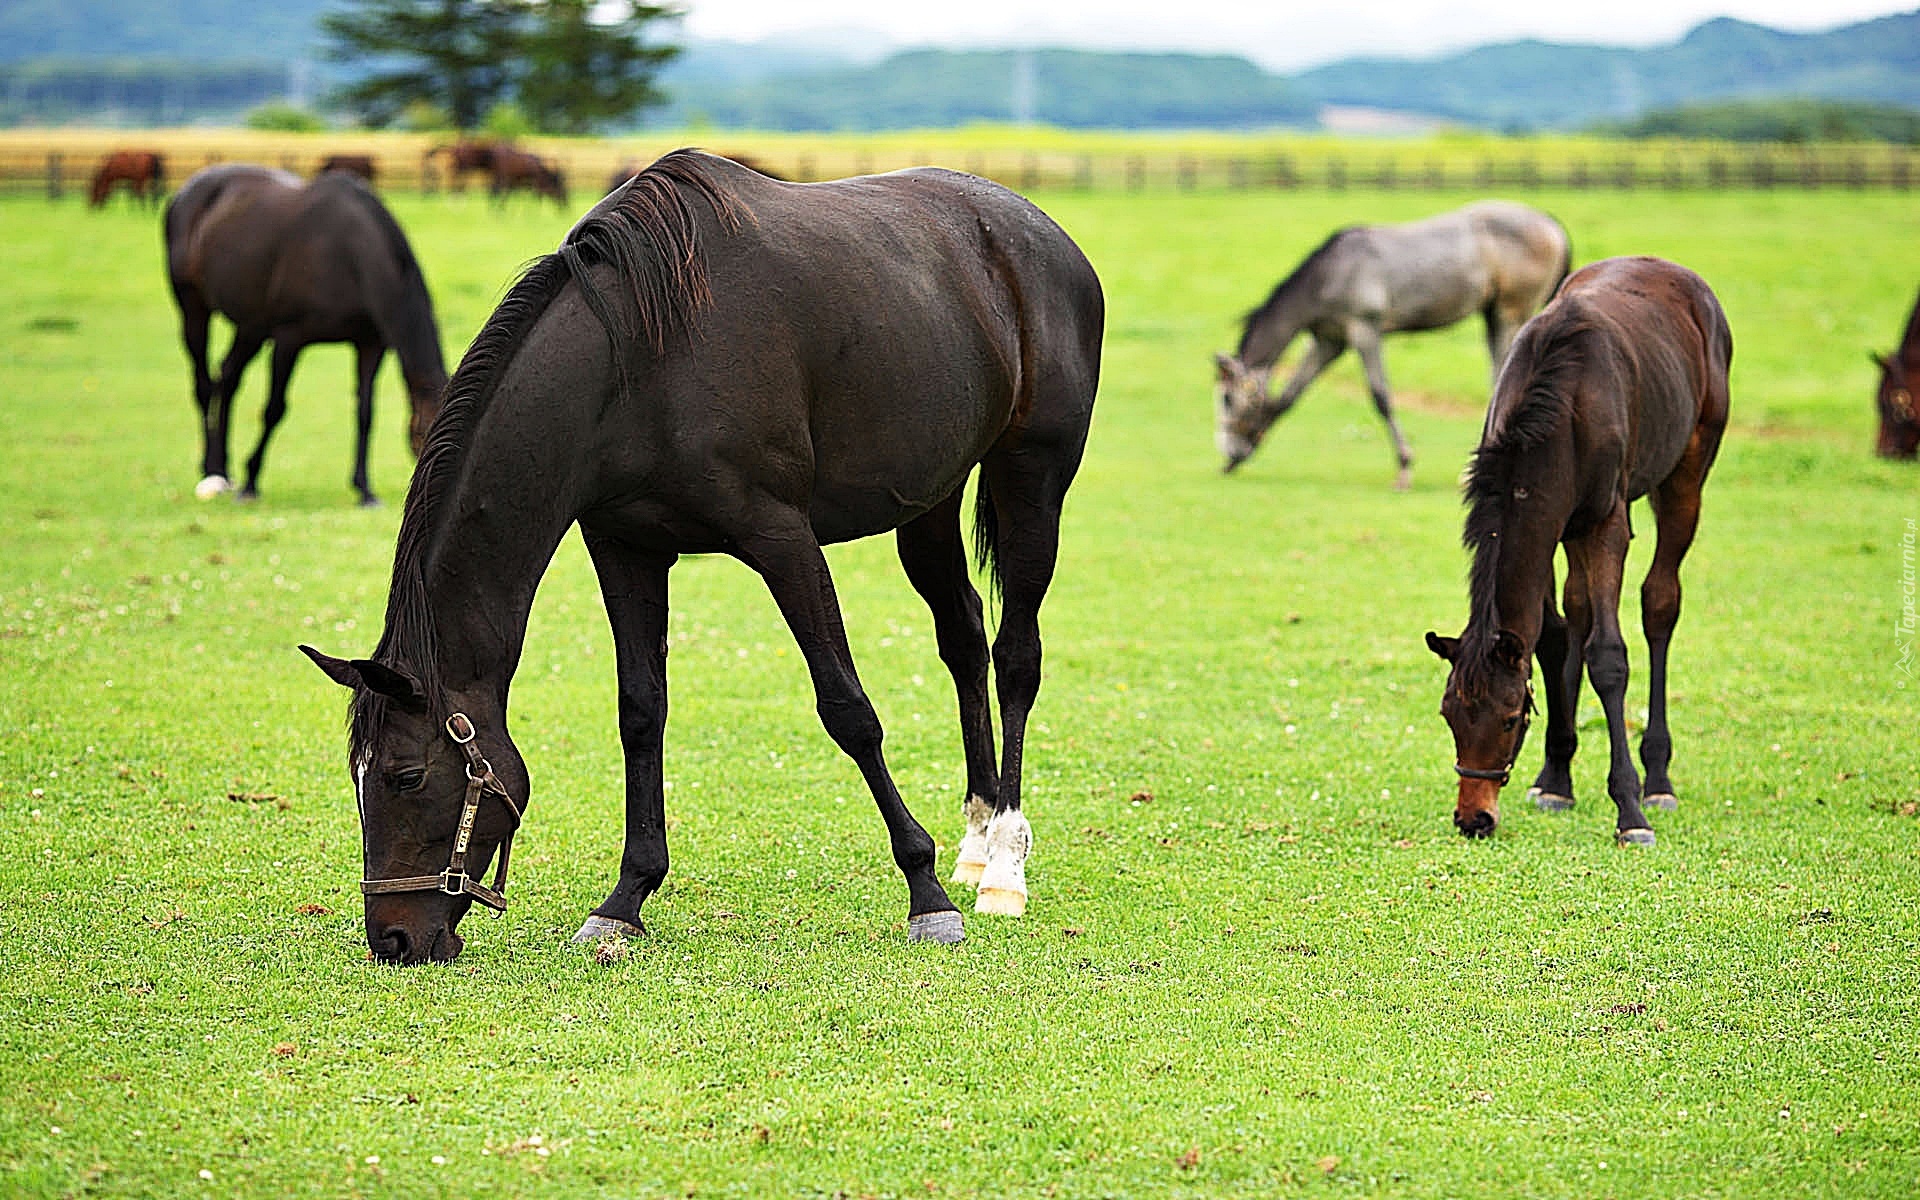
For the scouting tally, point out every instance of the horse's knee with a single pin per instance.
(853, 726)
(1607, 665)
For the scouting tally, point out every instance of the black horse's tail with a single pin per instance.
(986, 537)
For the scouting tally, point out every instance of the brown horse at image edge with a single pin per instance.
(1617, 390)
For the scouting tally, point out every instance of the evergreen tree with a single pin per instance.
(587, 62)
(456, 55)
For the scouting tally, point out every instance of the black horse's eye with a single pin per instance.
(1508, 724)
(408, 780)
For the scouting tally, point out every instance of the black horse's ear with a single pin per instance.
(1224, 364)
(1879, 360)
(1508, 648)
(338, 669)
(1443, 646)
(396, 685)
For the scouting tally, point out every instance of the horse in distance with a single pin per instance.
(1495, 258)
(354, 164)
(296, 263)
(1899, 434)
(142, 172)
(718, 362)
(516, 169)
(1617, 390)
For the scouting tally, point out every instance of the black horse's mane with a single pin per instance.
(1280, 290)
(1551, 356)
(649, 236)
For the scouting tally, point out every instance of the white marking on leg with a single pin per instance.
(1003, 881)
(212, 486)
(973, 847)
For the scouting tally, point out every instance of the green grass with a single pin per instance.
(1258, 960)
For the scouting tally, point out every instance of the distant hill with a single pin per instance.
(136, 61)
(1530, 84)
(1070, 88)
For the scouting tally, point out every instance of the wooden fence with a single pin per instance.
(64, 171)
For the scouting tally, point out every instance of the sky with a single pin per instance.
(1282, 35)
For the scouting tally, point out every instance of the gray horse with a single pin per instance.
(1499, 259)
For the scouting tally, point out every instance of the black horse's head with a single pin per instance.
(1241, 408)
(439, 796)
(1899, 422)
(1488, 705)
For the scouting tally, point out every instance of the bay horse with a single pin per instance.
(1495, 258)
(296, 263)
(354, 164)
(143, 172)
(1899, 435)
(462, 158)
(717, 362)
(512, 169)
(1617, 390)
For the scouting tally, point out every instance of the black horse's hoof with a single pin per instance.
(1550, 801)
(598, 927)
(1666, 801)
(1634, 837)
(945, 927)
(371, 502)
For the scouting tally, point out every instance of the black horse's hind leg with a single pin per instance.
(782, 548)
(1599, 558)
(245, 346)
(1676, 511)
(935, 557)
(1026, 487)
(195, 319)
(1553, 788)
(1366, 342)
(368, 356)
(285, 354)
(634, 584)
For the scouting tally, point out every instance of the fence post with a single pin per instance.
(1136, 173)
(54, 162)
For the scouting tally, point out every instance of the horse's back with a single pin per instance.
(884, 332)
(1665, 329)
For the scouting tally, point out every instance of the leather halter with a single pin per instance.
(1501, 775)
(455, 881)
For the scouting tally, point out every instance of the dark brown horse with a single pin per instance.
(353, 164)
(142, 172)
(462, 158)
(627, 170)
(296, 263)
(715, 362)
(514, 169)
(1617, 390)
(1494, 258)
(1899, 375)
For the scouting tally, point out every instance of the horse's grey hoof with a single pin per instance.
(1663, 800)
(372, 502)
(598, 927)
(944, 927)
(1550, 801)
(1634, 837)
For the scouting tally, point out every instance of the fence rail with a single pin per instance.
(63, 171)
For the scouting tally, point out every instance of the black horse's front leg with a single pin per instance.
(634, 585)
(1602, 556)
(1552, 789)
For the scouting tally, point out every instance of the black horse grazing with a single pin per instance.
(1617, 390)
(297, 263)
(716, 362)
(1899, 435)
(1494, 258)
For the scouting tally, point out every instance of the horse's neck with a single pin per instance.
(1910, 342)
(501, 522)
(1513, 567)
(1270, 330)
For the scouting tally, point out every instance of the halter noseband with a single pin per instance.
(1501, 775)
(455, 881)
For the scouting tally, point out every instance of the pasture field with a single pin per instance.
(1258, 959)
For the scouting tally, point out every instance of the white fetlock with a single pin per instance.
(1003, 881)
(212, 486)
(973, 847)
